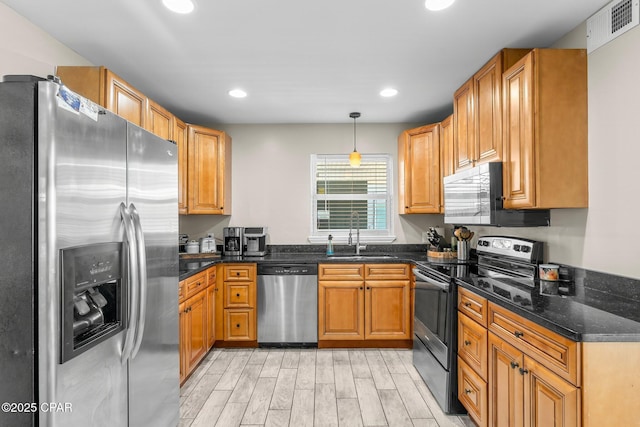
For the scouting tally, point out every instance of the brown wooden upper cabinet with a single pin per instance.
(545, 130)
(477, 112)
(107, 89)
(447, 166)
(204, 155)
(209, 171)
(180, 137)
(159, 121)
(419, 180)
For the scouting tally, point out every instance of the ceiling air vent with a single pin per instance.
(614, 19)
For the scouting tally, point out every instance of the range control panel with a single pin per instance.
(524, 249)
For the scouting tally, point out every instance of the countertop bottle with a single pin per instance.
(330, 245)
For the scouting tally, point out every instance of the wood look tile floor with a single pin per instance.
(310, 387)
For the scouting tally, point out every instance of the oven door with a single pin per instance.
(431, 323)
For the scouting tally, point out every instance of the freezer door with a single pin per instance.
(153, 194)
(81, 182)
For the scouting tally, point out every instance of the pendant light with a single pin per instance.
(354, 158)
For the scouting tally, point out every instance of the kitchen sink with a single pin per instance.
(363, 257)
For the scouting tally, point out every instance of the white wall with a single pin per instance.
(26, 49)
(270, 163)
(271, 178)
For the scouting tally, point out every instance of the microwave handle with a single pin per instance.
(428, 283)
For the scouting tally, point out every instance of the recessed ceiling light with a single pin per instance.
(238, 93)
(388, 92)
(438, 4)
(179, 6)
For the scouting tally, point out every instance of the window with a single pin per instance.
(343, 197)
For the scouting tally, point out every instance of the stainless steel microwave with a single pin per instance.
(474, 197)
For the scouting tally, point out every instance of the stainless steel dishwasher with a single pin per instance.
(288, 305)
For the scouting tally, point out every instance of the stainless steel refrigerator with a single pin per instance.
(88, 264)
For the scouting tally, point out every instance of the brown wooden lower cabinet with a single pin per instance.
(523, 392)
(548, 399)
(340, 310)
(195, 332)
(353, 308)
(536, 377)
(197, 319)
(386, 309)
(472, 393)
(239, 324)
(239, 304)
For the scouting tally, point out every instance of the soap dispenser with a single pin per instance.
(330, 245)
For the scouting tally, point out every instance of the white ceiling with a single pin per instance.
(302, 61)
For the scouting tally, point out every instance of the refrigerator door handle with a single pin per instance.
(133, 285)
(142, 274)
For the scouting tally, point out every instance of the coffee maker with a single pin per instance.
(255, 239)
(233, 241)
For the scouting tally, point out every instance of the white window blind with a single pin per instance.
(344, 196)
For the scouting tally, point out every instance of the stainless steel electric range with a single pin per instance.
(435, 328)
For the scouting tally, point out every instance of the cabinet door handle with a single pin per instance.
(368, 287)
(361, 288)
(514, 365)
(237, 295)
(467, 342)
(523, 371)
(238, 325)
(518, 334)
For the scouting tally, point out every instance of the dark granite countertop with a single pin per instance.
(189, 267)
(585, 313)
(598, 307)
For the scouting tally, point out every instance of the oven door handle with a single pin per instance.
(428, 283)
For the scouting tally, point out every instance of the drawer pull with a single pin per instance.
(518, 334)
(237, 273)
(467, 342)
(514, 365)
(523, 371)
(467, 391)
(237, 295)
(467, 304)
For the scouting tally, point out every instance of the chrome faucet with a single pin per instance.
(350, 241)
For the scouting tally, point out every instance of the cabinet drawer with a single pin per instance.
(240, 272)
(239, 295)
(557, 353)
(240, 324)
(472, 393)
(473, 306)
(340, 271)
(472, 344)
(387, 271)
(194, 284)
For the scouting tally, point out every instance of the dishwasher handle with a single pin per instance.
(287, 269)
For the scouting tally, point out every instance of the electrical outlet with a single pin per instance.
(425, 237)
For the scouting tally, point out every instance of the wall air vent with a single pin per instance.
(614, 19)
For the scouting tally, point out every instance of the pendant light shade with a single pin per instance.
(354, 158)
